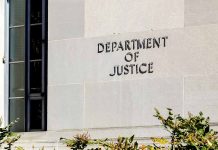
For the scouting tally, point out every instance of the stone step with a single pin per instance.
(50, 140)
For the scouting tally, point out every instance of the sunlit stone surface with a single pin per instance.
(110, 62)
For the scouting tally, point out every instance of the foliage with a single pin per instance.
(81, 141)
(6, 136)
(191, 133)
(123, 143)
(19, 148)
(78, 142)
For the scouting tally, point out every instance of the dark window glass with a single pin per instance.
(36, 42)
(36, 114)
(17, 12)
(17, 44)
(17, 110)
(16, 80)
(36, 77)
(36, 11)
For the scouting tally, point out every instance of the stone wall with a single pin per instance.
(201, 12)
(81, 89)
(109, 17)
(82, 96)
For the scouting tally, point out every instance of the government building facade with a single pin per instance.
(102, 66)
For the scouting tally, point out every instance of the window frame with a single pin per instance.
(27, 95)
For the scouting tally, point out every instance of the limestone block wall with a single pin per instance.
(88, 18)
(200, 12)
(82, 94)
(109, 17)
(65, 19)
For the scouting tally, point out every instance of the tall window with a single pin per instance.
(28, 64)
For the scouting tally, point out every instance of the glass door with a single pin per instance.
(17, 63)
(28, 64)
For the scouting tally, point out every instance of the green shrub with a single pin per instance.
(6, 136)
(123, 143)
(80, 142)
(191, 133)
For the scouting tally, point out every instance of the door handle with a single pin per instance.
(3, 60)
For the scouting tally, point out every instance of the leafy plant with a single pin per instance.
(123, 143)
(191, 133)
(81, 141)
(19, 148)
(6, 136)
(78, 142)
